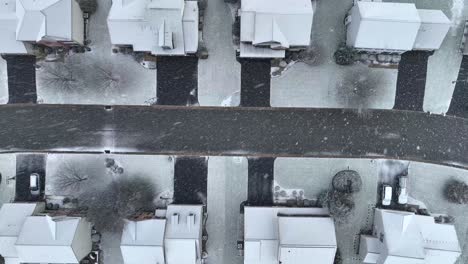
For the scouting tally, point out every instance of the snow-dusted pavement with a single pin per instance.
(219, 75)
(96, 77)
(3, 81)
(326, 84)
(227, 189)
(7, 170)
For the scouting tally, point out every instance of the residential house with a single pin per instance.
(270, 27)
(174, 239)
(27, 236)
(288, 235)
(159, 27)
(404, 237)
(46, 22)
(395, 27)
(12, 218)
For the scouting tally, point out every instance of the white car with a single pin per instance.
(386, 195)
(34, 184)
(403, 190)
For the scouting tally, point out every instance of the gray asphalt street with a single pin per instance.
(235, 131)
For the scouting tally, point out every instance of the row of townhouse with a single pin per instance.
(268, 28)
(271, 235)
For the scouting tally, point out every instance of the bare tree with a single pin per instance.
(456, 191)
(59, 75)
(347, 181)
(123, 198)
(71, 178)
(106, 77)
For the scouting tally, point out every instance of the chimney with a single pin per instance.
(175, 219)
(190, 221)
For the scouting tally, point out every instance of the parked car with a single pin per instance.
(34, 184)
(386, 194)
(403, 190)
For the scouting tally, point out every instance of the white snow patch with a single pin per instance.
(227, 189)
(219, 75)
(3, 81)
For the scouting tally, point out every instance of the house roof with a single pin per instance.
(12, 217)
(262, 222)
(277, 6)
(287, 234)
(46, 239)
(403, 12)
(274, 24)
(142, 241)
(410, 238)
(137, 23)
(307, 232)
(433, 16)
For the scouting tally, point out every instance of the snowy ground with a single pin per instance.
(314, 175)
(96, 77)
(158, 169)
(7, 170)
(426, 184)
(227, 189)
(3, 82)
(219, 75)
(444, 65)
(326, 84)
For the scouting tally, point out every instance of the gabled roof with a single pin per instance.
(142, 241)
(404, 12)
(37, 19)
(277, 6)
(402, 234)
(48, 231)
(12, 217)
(307, 231)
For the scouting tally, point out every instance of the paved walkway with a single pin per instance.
(235, 132)
(411, 82)
(21, 79)
(459, 103)
(177, 80)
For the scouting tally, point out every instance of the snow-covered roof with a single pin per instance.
(142, 241)
(409, 238)
(276, 24)
(45, 239)
(31, 20)
(12, 217)
(434, 27)
(183, 233)
(383, 26)
(161, 27)
(287, 234)
(401, 12)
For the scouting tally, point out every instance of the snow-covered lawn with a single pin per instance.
(325, 84)
(219, 75)
(157, 169)
(227, 189)
(7, 170)
(98, 76)
(426, 184)
(3, 81)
